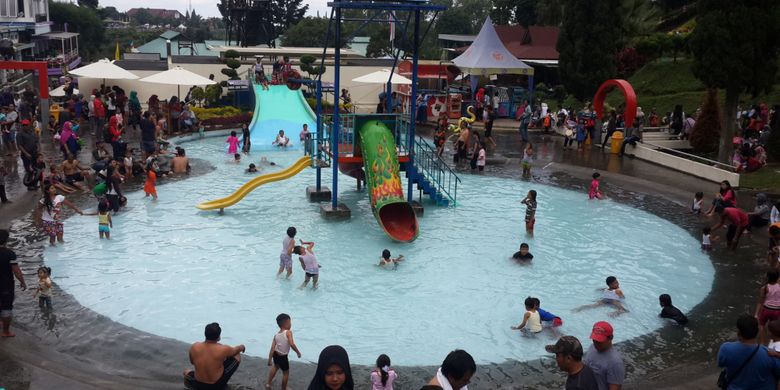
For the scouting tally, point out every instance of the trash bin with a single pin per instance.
(617, 141)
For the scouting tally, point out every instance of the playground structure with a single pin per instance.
(371, 148)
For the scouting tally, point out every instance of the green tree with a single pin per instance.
(310, 32)
(311, 65)
(706, 131)
(88, 3)
(588, 45)
(199, 95)
(287, 13)
(83, 20)
(735, 47)
(232, 62)
(462, 16)
(109, 13)
(503, 11)
(379, 44)
(549, 12)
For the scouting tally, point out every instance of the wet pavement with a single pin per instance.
(76, 348)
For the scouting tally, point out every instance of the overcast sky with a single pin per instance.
(201, 7)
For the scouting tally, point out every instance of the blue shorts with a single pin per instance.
(104, 229)
(285, 261)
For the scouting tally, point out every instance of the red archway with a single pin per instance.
(628, 93)
(42, 68)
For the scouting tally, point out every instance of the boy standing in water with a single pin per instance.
(285, 258)
(280, 348)
(308, 263)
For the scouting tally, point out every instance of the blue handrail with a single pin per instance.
(433, 167)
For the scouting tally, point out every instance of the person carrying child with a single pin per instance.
(531, 320)
(44, 288)
(308, 263)
(530, 211)
(280, 349)
(670, 311)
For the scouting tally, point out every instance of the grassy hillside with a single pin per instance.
(664, 83)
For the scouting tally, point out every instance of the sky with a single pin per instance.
(202, 7)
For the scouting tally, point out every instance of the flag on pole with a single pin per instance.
(117, 54)
(391, 18)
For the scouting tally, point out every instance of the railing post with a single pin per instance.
(320, 131)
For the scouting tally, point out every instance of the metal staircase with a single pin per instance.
(432, 175)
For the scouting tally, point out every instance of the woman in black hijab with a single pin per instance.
(333, 371)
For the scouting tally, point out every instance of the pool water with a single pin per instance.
(169, 268)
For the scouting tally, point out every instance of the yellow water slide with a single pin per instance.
(250, 186)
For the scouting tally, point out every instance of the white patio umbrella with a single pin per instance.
(60, 91)
(381, 77)
(178, 76)
(103, 69)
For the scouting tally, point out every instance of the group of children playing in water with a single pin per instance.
(535, 319)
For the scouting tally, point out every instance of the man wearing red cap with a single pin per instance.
(604, 359)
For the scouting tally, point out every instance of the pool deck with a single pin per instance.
(47, 354)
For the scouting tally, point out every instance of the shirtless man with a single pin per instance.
(462, 144)
(214, 363)
(180, 163)
(74, 172)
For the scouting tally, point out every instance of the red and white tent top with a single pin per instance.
(487, 55)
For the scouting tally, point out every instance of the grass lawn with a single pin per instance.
(766, 179)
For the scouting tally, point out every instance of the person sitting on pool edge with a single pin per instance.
(386, 260)
(214, 363)
(612, 296)
(281, 140)
(523, 255)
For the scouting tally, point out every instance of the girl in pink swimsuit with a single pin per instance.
(594, 187)
(232, 142)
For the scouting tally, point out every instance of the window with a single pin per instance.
(8, 8)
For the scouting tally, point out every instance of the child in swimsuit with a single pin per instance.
(232, 142)
(696, 205)
(611, 296)
(386, 260)
(532, 322)
(151, 179)
(104, 221)
(530, 211)
(595, 192)
(308, 263)
(44, 288)
(528, 154)
(706, 239)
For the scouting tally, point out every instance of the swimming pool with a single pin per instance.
(170, 268)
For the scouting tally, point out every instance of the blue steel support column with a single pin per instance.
(334, 145)
(319, 134)
(413, 103)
